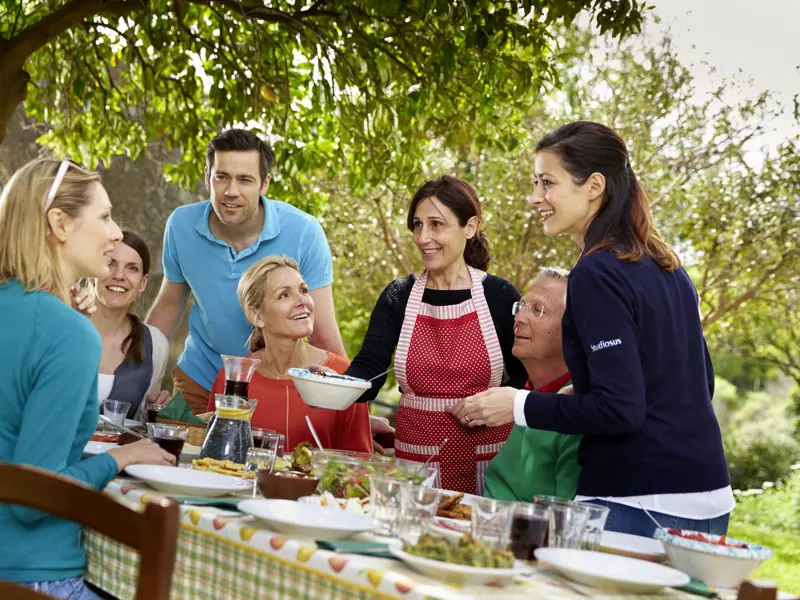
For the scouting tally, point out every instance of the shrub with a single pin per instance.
(755, 459)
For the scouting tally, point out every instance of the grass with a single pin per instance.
(784, 566)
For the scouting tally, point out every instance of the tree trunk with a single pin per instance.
(13, 91)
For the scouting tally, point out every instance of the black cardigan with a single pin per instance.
(387, 317)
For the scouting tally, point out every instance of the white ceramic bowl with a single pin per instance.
(720, 566)
(333, 393)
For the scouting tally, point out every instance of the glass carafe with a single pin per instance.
(238, 373)
(229, 436)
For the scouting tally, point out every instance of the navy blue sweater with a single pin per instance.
(643, 382)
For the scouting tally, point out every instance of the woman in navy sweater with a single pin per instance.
(633, 342)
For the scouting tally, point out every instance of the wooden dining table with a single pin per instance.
(225, 554)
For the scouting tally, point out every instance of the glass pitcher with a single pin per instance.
(238, 373)
(229, 436)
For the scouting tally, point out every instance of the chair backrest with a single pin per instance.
(152, 532)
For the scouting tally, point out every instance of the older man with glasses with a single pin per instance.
(535, 462)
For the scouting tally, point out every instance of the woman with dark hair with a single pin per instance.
(633, 342)
(453, 329)
(134, 354)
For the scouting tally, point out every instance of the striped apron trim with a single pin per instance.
(448, 313)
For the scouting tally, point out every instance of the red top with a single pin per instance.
(281, 409)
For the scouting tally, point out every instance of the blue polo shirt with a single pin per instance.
(212, 268)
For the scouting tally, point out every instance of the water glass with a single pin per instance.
(258, 459)
(594, 528)
(418, 506)
(529, 529)
(116, 410)
(491, 522)
(385, 495)
(567, 525)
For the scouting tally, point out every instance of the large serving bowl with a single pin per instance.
(334, 392)
(712, 563)
(346, 474)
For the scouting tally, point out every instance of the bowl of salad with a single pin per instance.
(716, 560)
(346, 474)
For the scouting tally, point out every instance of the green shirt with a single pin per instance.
(533, 462)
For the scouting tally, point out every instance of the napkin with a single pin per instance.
(695, 586)
(178, 410)
(354, 547)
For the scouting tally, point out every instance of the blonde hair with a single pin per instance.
(27, 252)
(252, 287)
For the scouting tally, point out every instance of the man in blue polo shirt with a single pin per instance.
(207, 247)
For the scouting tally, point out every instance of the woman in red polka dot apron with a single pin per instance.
(446, 353)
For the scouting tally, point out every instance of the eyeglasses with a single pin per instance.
(536, 309)
(60, 174)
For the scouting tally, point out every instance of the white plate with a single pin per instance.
(93, 448)
(452, 573)
(332, 393)
(187, 482)
(306, 520)
(611, 573)
(634, 546)
(451, 529)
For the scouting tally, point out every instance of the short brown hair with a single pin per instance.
(241, 140)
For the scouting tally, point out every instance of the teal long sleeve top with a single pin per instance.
(49, 359)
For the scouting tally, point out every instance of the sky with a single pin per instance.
(759, 41)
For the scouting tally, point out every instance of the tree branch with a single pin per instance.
(50, 26)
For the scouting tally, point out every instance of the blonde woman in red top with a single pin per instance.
(277, 302)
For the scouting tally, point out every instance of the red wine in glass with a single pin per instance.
(237, 388)
(528, 532)
(152, 414)
(172, 445)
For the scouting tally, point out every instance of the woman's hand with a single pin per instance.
(493, 407)
(143, 452)
(161, 399)
(379, 425)
(83, 298)
(321, 369)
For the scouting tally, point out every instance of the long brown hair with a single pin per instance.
(133, 345)
(460, 197)
(624, 223)
(27, 252)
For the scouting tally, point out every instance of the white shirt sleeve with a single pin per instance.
(519, 407)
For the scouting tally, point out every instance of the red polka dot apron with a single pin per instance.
(446, 353)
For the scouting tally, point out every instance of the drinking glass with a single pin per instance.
(258, 436)
(258, 459)
(567, 525)
(595, 525)
(418, 506)
(170, 437)
(529, 529)
(151, 413)
(385, 495)
(491, 522)
(116, 410)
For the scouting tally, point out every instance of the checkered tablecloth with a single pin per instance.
(220, 556)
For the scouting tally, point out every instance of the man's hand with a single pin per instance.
(492, 408)
(83, 298)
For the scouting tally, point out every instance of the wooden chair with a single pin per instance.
(153, 532)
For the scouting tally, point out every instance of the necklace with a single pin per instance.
(273, 371)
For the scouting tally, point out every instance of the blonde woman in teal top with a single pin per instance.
(55, 227)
